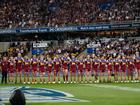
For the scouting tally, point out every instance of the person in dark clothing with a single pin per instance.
(17, 98)
(4, 69)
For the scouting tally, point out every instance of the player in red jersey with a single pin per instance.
(26, 63)
(88, 67)
(19, 64)
(102, 68)
(80, 70)
(123, 68)
(65, 62)
(42, 64)
(57, 67)
(109, 68)
(131, 68)
(137, 67)
(49, 68)
(73, 68)
(34, 64)
(116, 68)
(11, 69)
(95, 67)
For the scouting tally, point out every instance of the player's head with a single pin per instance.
(11, 58)
(103, 57)
(93, 55)
(72, 56)
(55, 58)
(41, 57)
(65, 55)
(4, 58)
(34, 56)
(19, 54)
(123, 57)
(26, 57)
(49, 59)
(88, 56)
(118, 57)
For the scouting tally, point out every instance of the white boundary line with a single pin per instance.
(115, 87)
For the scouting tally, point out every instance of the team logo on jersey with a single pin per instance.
(34, 95)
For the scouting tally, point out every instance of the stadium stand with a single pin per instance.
(42, 13)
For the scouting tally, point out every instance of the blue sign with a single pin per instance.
(37, 51)
(90, 50)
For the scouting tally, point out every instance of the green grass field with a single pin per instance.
(96, 94)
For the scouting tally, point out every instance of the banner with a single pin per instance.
(109, 26)
(40, 45)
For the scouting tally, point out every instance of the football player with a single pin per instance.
(34, 64)
(123, 68)
(42, 63)
(11, 69)
(116, 68)
(95, 67)
(49, 69)
(131, 69)
(109, 68)
(73, 68)
(57, 67)
(88, 67)
(19, 64)
(102, 68)
(65, 62)
(26, 64)
(80, 70)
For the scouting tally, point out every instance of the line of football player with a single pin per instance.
(83, 69)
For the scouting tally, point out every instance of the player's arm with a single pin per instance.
(0, 67)
(91, 63)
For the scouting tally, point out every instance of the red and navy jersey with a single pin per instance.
(137, 63)
(116, 64)
(19, 62)
(73, 64)
(57, 64)
(65, 63)
(49, 66)
(95, 63)
(26, 65)
(11, 66)
(110, 64)
(42, 65)
(102, 64)
(80, 65)
(34, 63)
(88, 64)
(131, 65)
(123, 64)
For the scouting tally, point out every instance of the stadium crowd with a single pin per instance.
(75, 49)
(40, 13)
(127, 47)
(16, 48)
